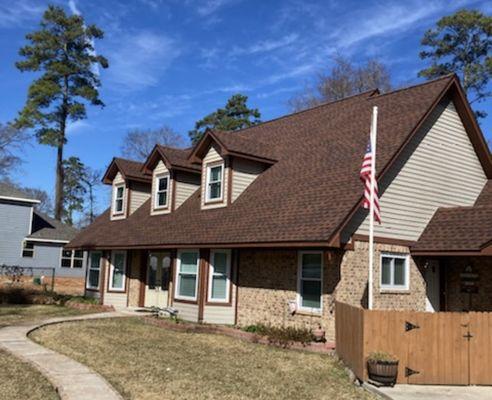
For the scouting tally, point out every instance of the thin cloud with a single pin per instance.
(265, 46)
(209, 7)
(138, 61)
(15, 13)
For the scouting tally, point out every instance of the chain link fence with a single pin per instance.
(17, 276)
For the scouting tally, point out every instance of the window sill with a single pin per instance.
(216, 201)
(395, 291)
(309, 313)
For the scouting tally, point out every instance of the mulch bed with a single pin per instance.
(88, 306)
(190, 327)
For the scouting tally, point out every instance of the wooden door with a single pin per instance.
(438, 352)
(479, 337)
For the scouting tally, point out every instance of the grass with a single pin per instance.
(19, 380)
(29, 314)
(147, 362)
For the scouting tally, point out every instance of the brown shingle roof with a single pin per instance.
(485, 198)
(465, 229)
(305, 196)
(47, 228)
(178, 157)
(128, 168)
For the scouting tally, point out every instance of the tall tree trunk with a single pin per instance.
(60, 177)
(91, 204)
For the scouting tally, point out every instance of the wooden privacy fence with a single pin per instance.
(448, 348)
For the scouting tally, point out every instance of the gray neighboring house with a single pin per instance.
(29, 238)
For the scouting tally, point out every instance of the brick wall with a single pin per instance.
(455, 299)
(268, 281)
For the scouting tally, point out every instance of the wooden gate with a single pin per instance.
(444, 348)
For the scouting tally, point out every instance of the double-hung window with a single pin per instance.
(161, 191)
(27, 249)
(394, 271)
(215, 175)
(72, 259)
(118, 199)
(219, 276)
(93, 270)
(117, 273)
(187, 275)
(310, 281)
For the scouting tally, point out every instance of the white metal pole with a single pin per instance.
(371, 208)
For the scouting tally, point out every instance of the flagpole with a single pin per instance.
(371, 208)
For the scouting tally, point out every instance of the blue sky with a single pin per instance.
(174, 61)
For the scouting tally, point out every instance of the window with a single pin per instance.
(310, 279)
(394, 272)
(94, 268)
(187, 276)
(27, 249)
(219, 278)
(214, 182)
(72, 259)
(117, 278)
(161, 191)
(119, 193)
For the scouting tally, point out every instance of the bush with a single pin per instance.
(282, 335)
(381, 356)
(19, 295)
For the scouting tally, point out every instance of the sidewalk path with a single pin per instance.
(72, 380)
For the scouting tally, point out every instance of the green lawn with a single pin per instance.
(29, 314)
(148, 362)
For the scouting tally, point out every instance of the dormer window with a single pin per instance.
(162, 191)
(119, 195)
(215, 177)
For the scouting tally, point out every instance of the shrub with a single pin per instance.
(381, 356)
(282, 335)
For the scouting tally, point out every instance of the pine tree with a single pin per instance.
(62, 50)
(73, 188)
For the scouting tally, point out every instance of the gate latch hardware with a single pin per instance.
(409, 326)
(410, 372)
(468, 336)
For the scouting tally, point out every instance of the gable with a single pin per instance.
(440, 169)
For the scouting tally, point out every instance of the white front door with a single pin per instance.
(432, 299)
(156, 289)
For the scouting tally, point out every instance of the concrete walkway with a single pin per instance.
(72, 380)
(420, 392)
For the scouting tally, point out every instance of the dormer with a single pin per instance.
(174, 178)
(230, 162)
(130, 187)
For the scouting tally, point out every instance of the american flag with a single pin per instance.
(365, 177)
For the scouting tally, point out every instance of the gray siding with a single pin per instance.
(15, 220)
(441, 170)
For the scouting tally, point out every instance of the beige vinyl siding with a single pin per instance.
(140, 193)
(186, 185)
(118, 179)
(244, 172)
(213, 157)
(187, 312)
(161, 169)
(117, 300)
(443, 171)
(221, 314)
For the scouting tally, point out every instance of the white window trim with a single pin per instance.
(393, 287)
(87, 285)
(310, 310)
(207, 182)
(178, 268)
(156, 192)
(111, 272)
(22, 248)
(210, 299)
(115, 191)
(72, 259)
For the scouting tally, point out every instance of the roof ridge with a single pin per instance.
(412, 86)
(173, 148)
(128, 160)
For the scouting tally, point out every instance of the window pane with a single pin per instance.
(220, 263)
(215, 173)
(219, 287)
(311, 266)
(311, 294)
(78, 254)
(188, 263)
(163, 184)
(95, 260)
(152, 272)
(119, 192)
(162, 199)
(187, 285)
(119, 205)
(78, 263)
(93, 278)
(215, 190)
(66, 253)
(29, 245)
(27, 253)
(399, 271)
(65, 262)
(118, 270)
(386, 271)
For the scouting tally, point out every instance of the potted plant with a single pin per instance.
(319, 334)
(382, 368)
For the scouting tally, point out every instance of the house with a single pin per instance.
(264, 225)
(29, 238)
